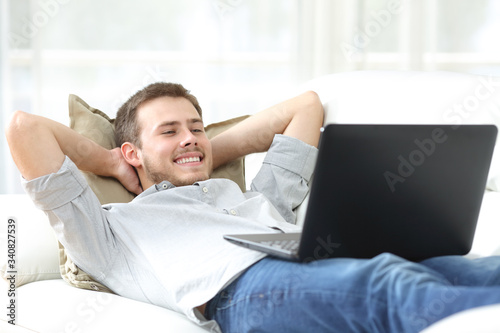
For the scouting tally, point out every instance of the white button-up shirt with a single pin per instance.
(165, 247)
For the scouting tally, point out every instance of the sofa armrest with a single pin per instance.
(37, 256)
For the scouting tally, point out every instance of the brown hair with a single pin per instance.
(126, 125)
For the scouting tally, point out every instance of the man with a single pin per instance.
(166, 246)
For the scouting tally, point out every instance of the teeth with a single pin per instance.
(188, 160)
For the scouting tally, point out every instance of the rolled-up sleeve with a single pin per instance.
(76, 216)
(285, 174)
(56, 189)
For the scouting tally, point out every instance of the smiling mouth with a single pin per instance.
(188, 160)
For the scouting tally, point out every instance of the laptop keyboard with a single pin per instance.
(291, 245)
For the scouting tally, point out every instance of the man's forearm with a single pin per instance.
(38, 146)
(300, 117)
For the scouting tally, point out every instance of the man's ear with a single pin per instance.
(131, 154)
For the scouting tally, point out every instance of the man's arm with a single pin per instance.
(38, 146)
(300, 117)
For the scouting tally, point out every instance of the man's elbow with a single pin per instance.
(22, 132)
(19, 124)
(314, 106)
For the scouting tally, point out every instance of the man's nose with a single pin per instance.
(188, 139)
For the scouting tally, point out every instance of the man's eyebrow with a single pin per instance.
(168, 123)
(195, 120)
(176, 122)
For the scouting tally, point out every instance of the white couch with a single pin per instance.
(45, 303)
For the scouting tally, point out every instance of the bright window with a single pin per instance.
(236, 56)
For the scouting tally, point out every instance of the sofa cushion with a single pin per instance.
(53, 306)
(97, 126)
(483, 319)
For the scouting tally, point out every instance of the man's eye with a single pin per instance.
(168, 132)
(197, 130)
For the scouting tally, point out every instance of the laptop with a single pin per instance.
(411, 190)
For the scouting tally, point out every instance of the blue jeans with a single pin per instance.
(383, 294)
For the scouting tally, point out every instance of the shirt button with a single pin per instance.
(164, 186)
(93, 286)
(204, 189)
(233, 212)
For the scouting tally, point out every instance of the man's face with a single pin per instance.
(174, 144)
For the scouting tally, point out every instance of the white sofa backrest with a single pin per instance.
(410, 97)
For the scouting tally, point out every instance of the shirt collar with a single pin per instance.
(164, 185)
